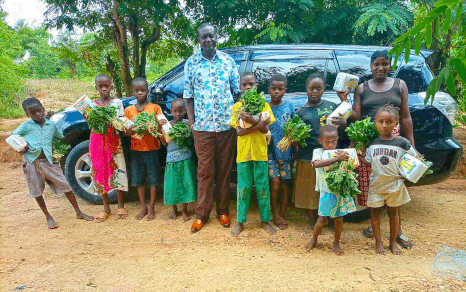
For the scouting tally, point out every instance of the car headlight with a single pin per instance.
(444, 103)
(56, 117)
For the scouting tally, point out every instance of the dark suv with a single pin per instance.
(432, 123)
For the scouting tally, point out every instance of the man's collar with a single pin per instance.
(202, 56)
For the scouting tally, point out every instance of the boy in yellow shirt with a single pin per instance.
(252, 161)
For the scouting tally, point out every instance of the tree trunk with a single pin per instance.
(145, 44)
(134, 29)
(73, 70)
(110, 66)
(119, 36)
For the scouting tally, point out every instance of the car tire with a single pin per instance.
(358, 216)
(78, 174)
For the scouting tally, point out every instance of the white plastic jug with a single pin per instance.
(345, 81)
(244, 125)
(17, 142)
(345, 109)
(411, 168)
(353, 155)
(84, 104)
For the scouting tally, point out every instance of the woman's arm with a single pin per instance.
(357, 107)
(405, 116)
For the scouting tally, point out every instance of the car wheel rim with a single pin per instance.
(83, 174)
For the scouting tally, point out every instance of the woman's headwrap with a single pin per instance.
(380, 54)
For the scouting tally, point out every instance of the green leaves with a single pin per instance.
(253, 102)
(181, 134)
(295, 131)
(428, 35)
(99, 117)
(145, 123)
(342, 182)
(361, 133)
(59, 149)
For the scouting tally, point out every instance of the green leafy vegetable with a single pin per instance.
(361, 133)
(342, 181)
(99, 117)
(252, 103)
(145, 123)
(427, 163)
(59, 149)
(295, 131)
(181, 134)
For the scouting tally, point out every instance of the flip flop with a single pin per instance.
(403, 241)
(368, 232)
(122, 213)
(102, 217)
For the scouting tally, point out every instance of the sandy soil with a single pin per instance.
(162, 255)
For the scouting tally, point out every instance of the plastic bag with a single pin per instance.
(450, 262)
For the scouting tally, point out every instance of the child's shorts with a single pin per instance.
(395, 199)
(281, 168)
(145, 164)
(41, 171)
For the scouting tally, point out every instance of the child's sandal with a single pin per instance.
(122, 213)
(102, 217)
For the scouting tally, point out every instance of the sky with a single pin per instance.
(32, 11)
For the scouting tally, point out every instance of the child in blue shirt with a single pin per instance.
(38, 166)
(279, 162)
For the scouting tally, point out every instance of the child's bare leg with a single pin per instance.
(284, 202)
(269, 228)
(313, 217)
(175, 212)
(74, 203)
(338, 229)
(274, 187)
(50, 222)
(237, 230)
(142, 200)
(317, 230)
(153, 194)
(375, 222)
(106, 204)
(122, 214)
(184, 212)
(393, 216)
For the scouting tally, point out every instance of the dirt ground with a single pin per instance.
(163, 255)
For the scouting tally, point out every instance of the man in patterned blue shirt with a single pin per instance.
(211, 81)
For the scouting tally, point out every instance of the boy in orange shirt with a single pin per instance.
(144, 152)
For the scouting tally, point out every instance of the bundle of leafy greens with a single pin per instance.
(295, 131)
(427, 163)
(100, 117)
(361, 133)
(145, 123)
(181, 134)
(59, 150)
(252, 103)
(342, 181)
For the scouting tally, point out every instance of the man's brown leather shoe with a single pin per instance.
(224, 220)
(197, 225)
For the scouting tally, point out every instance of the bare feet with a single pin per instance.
(239, 227)
(142, 214)
(311, 244)
(122, 213)
(185, 216)
(150, 215)
(280, 222)
(336, 249)
(83, 216)
(173, 215)
(394, 248)
(379, 248)
(51, 223)
(268, 227)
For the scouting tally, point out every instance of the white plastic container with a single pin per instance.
(345, 81)
(84, 104)
(353, 155)
(165, 128)
(17, 142)
(411, 168)
(245, 125)
(128, 123)
(345, 109)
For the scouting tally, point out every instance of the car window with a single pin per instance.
(295, 65)
(412, 74)
(355, 62)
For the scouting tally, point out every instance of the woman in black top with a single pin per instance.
(368, 98)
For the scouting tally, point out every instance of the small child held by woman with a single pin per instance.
(386, 186)
(180, 183)
(330, 205)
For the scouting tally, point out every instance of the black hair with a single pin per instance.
(380, 54)
(178, 101)
(316, 76)
(205, 24)
(139, 80)
(30, 102)
(247, 74)
(278, 78)
(101, 76)
(327, 129)
(389, 108)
